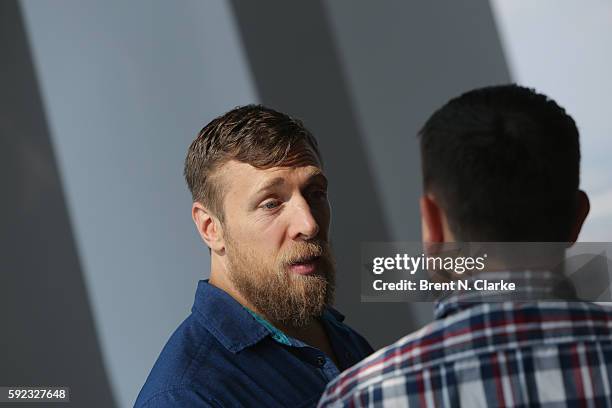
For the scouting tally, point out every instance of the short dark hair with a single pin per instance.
(503, 161)
(253, 134)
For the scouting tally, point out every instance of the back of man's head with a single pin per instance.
(503, 164)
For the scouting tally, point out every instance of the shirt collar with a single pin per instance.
(276, 334)
(530, 286)
(329, 315)
(230, 323)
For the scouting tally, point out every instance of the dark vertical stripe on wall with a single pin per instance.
(291, 53)
(48, 336)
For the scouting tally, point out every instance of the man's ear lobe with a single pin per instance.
(208, 226)
(583, 207)
(431, 220)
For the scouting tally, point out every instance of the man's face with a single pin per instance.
(276, 238)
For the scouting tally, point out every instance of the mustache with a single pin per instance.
(305, 252)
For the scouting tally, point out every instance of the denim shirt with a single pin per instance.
(224, 356)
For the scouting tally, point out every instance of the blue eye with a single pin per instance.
(270, 205)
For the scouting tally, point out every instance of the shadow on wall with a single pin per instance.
(49, 337)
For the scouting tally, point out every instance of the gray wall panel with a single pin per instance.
(126, 87)
(48, 336)
(402, 60)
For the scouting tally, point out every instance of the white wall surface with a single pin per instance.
(563, 49)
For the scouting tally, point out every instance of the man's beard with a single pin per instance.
(280, 295)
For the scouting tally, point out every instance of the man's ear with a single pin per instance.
(432, 220)
(582, 210)
(208, 226)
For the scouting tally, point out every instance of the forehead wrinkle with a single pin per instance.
(307, 173)
(277, 181)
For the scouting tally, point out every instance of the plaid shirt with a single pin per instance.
(495, 354)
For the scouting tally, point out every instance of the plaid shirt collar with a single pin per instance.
(530, 286)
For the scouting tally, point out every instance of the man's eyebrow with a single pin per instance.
(277, 181)
(317, 175)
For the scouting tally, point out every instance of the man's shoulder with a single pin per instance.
(369, 370)
(480, 329)
(177, 396)
(174, 374)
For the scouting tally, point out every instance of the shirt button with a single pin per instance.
(320, 361)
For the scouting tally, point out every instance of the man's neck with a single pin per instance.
(300, 333)
(313, 334)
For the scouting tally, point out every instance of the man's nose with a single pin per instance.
(303, 224)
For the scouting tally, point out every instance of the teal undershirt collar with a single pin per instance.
(276, 334)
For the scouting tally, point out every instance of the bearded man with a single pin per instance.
(262, 331)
